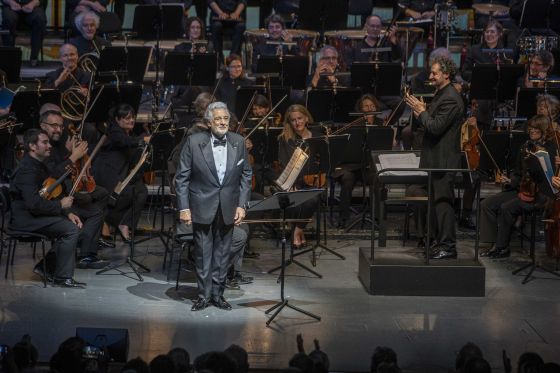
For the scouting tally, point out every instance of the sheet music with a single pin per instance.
(544, 160)
(289, 175)
(400, 160)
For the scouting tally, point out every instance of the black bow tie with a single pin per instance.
(220, 142)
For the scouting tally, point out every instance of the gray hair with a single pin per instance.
(80, 17)
(440, 52)
(326, 48)
(209, 114)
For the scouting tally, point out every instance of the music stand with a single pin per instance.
(170, 17)
(282, 201)
(526, 100)
(322, 15)
(378, 78)
(190, 69)
(130, 61)
(112, 95)
(326, 104)
(534, 13)
(244, 95)
(292, 70)
(10, 62)
(377, 139)
(26, 105)
(495, 82)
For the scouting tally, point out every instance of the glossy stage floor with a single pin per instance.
(426, 332)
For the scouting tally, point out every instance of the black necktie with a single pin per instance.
(220, 142)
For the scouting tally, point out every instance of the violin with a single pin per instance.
(470, 138)
(81, 169)
(52, 188)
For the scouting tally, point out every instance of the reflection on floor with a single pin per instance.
(426, 332)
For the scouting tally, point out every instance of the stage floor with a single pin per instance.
(426, 332)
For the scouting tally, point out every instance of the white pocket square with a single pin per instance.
(240, 161)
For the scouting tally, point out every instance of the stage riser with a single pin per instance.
(412, 277)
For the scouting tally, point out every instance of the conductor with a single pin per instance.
(213, 186)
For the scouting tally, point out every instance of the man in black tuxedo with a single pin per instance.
(31, 213)
(213, 185)
(441, 125)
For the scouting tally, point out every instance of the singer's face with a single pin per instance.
(126, 123)
(275, 30)
(220, 122)
(88, 28)
(69, 56)
(373, 27)
(195, 30)
(298, 121)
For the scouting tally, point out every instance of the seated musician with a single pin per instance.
(117, 157)
(69, 75)
(32, 213)
(296, 120)
(75, 7)
(34, 15)
(324, 75)
(419, 9)
(493, 33)
(89, 207)
(87, 23)
(375, 39)
(233, 78)
(540, 66)
(195, 31)
(276, 33)
(369, 103)
(499, 212)
(226, 14)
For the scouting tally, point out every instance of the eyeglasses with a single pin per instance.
(55, 125)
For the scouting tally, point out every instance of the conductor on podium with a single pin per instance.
(213, 186)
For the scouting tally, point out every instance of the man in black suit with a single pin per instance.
(441, 124)
(69, 75)
(213, 185)
(32, 213)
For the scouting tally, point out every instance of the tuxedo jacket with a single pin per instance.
(197, 184)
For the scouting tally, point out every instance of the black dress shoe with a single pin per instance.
(38, 269)
(103, 243)
(231, 284)
(467, 223)
(200, 304)
(242, 280)
(222, 303)
(251, 255)
(449, 253)
(92, 262)
(499, 253)
(68, 283)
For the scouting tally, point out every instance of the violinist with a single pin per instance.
(296, 120)
(31, 213)
(549, 105)
(540, 66)
(117, 157)
(90, 207)
(520, 193)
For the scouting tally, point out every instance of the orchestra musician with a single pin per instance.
(213, 185)
(227, 14)
(196, 31)
(324, 75)
(296, 120)
(277, 33)
(87, 23)
(69, 75)
(540, 66)
(549, 106)
(520, 193)
(233, 78)
(112, 165)
(375, 39)
(423, 9)
(88, 207)
(32, 213)
(441, 127)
